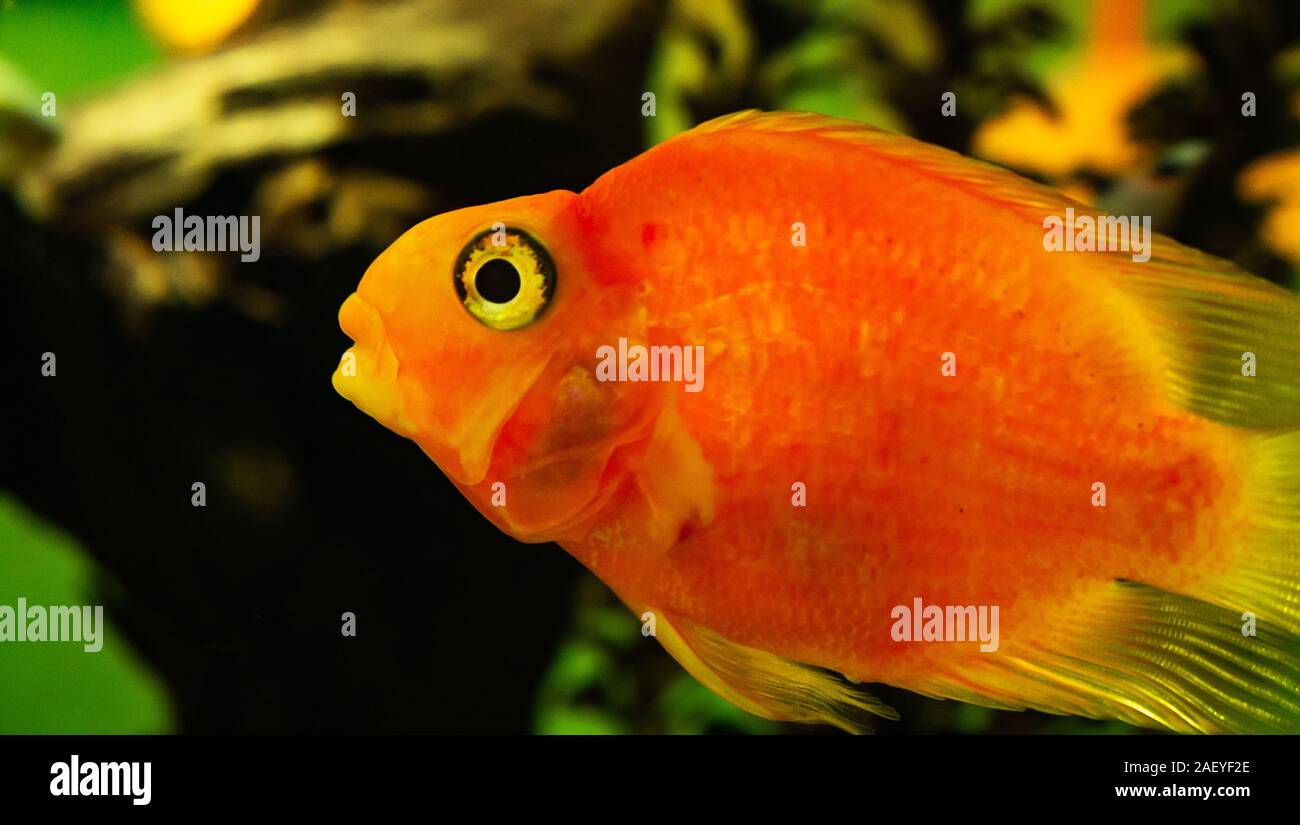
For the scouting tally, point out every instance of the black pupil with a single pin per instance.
(497, 281)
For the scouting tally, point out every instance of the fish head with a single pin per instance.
(475, 335)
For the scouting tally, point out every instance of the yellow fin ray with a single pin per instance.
(765, 684)
(1265, 575)
(1143, 656)
(1231, 341)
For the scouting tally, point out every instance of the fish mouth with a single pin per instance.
(370, 375)
(367, 374)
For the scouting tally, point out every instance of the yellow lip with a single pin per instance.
(367, 374)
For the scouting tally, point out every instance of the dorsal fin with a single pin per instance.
(976, 177)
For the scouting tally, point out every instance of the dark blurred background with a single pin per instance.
(177, 368)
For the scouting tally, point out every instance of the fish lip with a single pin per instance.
(361, 322)
(374, 387)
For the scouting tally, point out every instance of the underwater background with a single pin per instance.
(193, 367)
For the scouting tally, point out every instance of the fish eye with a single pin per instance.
(505, 278)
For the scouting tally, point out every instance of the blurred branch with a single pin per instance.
(417, 67)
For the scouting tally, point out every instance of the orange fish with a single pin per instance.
(825, 405)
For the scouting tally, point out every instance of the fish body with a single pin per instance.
(904, 400)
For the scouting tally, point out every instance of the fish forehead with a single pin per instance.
(702, 218)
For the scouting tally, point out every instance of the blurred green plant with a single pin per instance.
(73, 48)
(607, 678)
(57, 687)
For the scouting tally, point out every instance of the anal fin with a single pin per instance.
(1144, 656)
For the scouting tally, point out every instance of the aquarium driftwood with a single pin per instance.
(415, 68)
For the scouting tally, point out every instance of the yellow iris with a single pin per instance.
(505, 278)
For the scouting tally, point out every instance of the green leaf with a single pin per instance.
(58, 687)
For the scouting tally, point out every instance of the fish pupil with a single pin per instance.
(497, 281)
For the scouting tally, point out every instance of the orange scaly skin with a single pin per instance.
(823, 367)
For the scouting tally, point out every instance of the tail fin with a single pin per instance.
(1265, 577)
